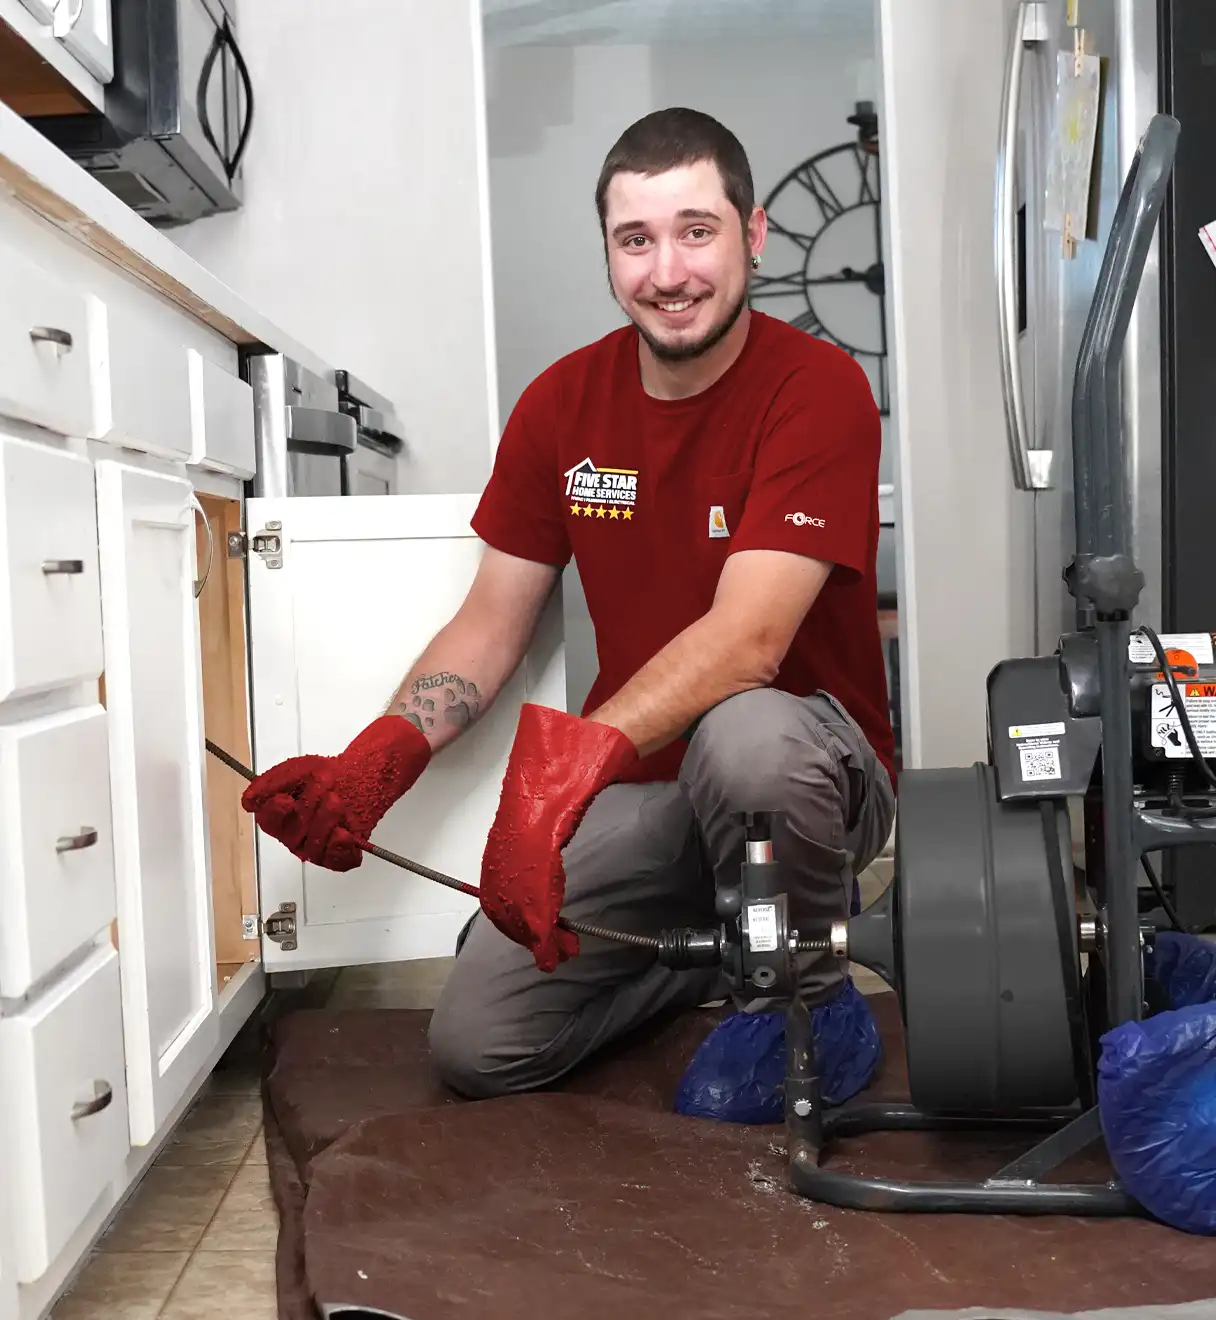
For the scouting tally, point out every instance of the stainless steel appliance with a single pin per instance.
(372, 469)
(1156, 56)
(1045, 294)
(177, 115)
(317, 435)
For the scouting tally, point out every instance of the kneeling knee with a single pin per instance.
(460, 1055)
(741, 749)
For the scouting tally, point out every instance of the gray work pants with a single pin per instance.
(646, 857)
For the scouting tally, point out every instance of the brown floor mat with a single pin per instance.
(595, 1200)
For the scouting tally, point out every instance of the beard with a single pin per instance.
(694, 348)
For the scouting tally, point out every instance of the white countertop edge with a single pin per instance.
(90, 205)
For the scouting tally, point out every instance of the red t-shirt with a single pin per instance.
(650, 496)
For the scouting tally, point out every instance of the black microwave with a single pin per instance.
(177, 115)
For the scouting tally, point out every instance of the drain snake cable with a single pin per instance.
(657, 944)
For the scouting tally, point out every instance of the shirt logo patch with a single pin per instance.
(717, 522)
(596, 492)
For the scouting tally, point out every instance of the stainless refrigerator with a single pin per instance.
(1156, 55)
(1045, 291)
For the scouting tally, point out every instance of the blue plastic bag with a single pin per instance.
(738, 1073)
(1184, 966)
(1157, 1100)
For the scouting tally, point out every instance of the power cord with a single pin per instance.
(1166, 906)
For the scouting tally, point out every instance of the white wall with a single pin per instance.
(965, 580)
(365, 214)
(554, 112)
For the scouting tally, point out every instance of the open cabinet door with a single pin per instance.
(145, 525)
(344, 595)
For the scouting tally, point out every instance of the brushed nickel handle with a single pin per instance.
(200, 583)
(50, 566)
(49, 334)
(1029, 473)
(103, 1097)
(84, 838)
(66, 18)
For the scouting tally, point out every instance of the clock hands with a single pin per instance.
(778, 286)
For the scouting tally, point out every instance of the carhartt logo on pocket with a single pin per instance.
(717, 521)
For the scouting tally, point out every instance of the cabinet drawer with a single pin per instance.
(45, 347)
(56, 848)
(147, 377)
(61, 1065)
(222, 419)
(50, 597)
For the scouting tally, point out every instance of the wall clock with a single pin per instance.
(825, 239)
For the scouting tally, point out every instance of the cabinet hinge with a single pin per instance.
(251, 926)
(280, 926)
(238, 545)
(268, 543)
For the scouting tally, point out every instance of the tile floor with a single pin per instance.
(197, 1239)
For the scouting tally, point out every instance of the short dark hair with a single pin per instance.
(666, 139)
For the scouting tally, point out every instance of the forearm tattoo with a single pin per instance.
(442, 696)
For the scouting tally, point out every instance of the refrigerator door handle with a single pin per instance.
(1031, 468)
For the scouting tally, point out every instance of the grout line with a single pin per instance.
(211, 1220)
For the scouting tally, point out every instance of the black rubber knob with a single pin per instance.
(728, 903)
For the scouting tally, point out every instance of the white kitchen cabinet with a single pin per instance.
(46, 346)
(61, 1067)
(10, 1306)
(153, 689)
(56, 856)
(344, 595)
(42, 10)
(143, 385)
(50, 623)
(85, 30)
(221, 419)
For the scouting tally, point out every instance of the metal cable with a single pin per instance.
(566, 923)
(450, 882)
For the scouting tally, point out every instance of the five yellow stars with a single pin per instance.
(600, 511)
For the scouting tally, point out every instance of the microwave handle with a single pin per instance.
(243, 69)
(224, 37)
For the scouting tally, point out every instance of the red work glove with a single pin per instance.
(317, 806)
(558, 764)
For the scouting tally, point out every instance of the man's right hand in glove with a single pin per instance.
(318, 806)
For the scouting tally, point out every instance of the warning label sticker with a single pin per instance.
(1038, 750)
(1199, 645)
(1055, 728)
(762, 927)
(1167, 734)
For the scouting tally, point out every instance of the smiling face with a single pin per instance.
(679, 257)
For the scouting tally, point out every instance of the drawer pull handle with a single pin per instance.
(200, 583)
(75, 842)
(103, 1097)
(50, 566)
(48, 334)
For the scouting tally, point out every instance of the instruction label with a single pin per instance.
(762, 927)
(1038, 751)
(1167, 734)
(1199, 645)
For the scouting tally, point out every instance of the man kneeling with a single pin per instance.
(713, 473)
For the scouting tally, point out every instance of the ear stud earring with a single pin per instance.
(755, 263)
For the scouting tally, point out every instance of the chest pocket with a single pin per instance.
(718, 504)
